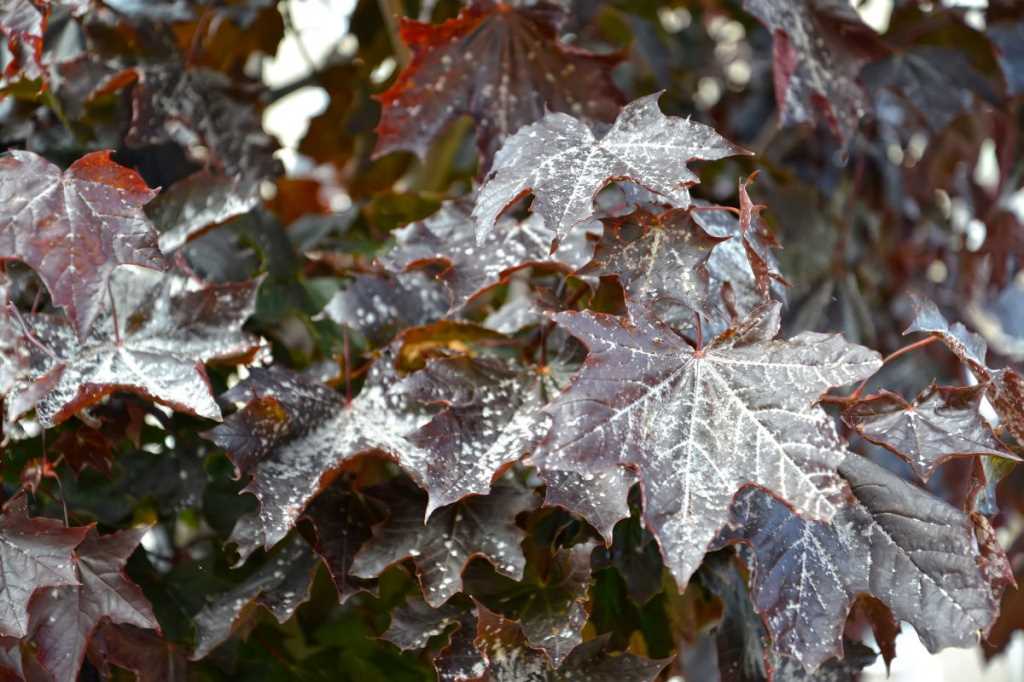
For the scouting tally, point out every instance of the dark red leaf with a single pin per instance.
(149, 656)
(1003, 387)
(912, 551)
(343, 520)
(62, 620)
(818, 51)
(440, 548)
(22, 23)
(510, 659)
(501, 64)
(943, 422)
(564, 164)
(280, 586)
(35, 553)
(153, 340)
(448, 238)
(700, 424)
(73, 228)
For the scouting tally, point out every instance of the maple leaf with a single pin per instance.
(700, 424)
(491, 418)
(292, 436)
(34, 553)
(85, 447)
(415, 623)
(448, 238)
(199, 110)
(818, 48)
(943, 422)
(73, 228)
(743, 273)
(149, 656)
(510, 659)
(194, 204)
(634, 554)
(549, 603)
(379, 305)
(151, 338)
(500, 63)
(932, 84)
(912, 551)
(280, 586)
(1003, 387)
(597, 494)
(660, 259)
(564, 164)
(62, 620)
(477, 526)
(343, 520)
(22, 23)
(741, 640)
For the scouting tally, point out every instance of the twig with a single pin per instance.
(391, 10)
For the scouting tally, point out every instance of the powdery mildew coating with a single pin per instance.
(63, 619)
(502, 64)
(911, 550)
(491, 418)
(815, 76)
(152, 340)
(698, 425)
(564, 165)
(280, 586)
(449, 237)
(34, 553)
(378, 305)
(450, 434)
(942, 422)
(74, 227)
(659, 259)
(477, 526)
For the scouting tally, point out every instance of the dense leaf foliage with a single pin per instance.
(598, 340)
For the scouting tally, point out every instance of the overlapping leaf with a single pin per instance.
(74, 227)
(34, 553)
(415, 624)
(549, 603)
(491, 418)
(700, 424)
(149, 656)
(152, 338)
(379, 305)
(62, 620)
(564, 164)
(22, 23)
(198, 110)
(1003, 387)
(292, 435)
(912, 551)
(448, 238)
(500, 63)
(942, 422)
(817, 60)
(742, 270)
(343, 519)
(660, 260)
(440, 548)
(510, 659)
(280, 586)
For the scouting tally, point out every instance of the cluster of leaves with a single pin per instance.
(509, 378)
